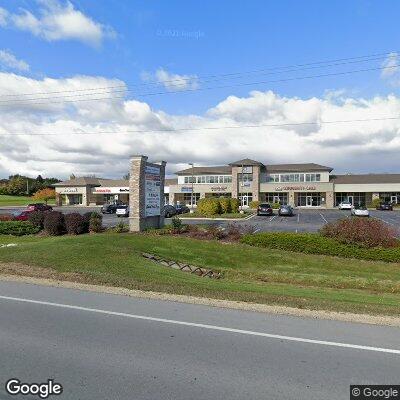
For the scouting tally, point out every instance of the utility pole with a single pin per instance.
(27, 187)
(191, 194)
(242, 188)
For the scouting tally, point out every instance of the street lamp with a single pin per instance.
(191, 194)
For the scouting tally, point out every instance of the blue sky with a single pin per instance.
(141, 46)
(209, 37)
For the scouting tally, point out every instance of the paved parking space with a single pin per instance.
(304, 220)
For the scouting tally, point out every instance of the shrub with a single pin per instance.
(375, 202)
(37, 218)
(214, 232)
(276, 206)
(225, 205)
(6, 217)
(121, 227)
(312, 243)
(45, 194)
(18, 228)
(54, 223)
(95, 222)
(234, 205)
(75, 224)
(176, 225)
(254, 204)
(209, 206)
(361, 232)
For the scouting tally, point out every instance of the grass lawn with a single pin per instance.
(260, 275)
(6, 200)
(227, 215)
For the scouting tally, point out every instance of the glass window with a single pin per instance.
(278, 197)
(187, 197)
(245, 177)
(227, 179)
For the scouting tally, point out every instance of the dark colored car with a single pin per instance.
(169, 211)
(385, 207)
(22, 215)
(264, 209)
(286, 210)
(181, 209)
(109, 209)
(38, 207)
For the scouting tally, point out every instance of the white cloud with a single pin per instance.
(391, 69)
(357, 146)
(58, 20)
(3, 17)
(9, 61)
(171, 81)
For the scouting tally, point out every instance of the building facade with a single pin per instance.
(300, 185)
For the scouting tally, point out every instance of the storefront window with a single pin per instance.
(309, 199)
(353, 198)
(187, 198)
(391, 197)
(278, 197)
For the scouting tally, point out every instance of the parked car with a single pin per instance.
(22, 215)
(122, 211)
(286, 210)
(385, 207)
(182, 209)
(38, 207)
(169, 211)
(345, 205)
(360, 211)
(108, 208)
(264, 209)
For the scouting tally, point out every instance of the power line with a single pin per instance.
(284, 69)
(203, 128)
(15, 102)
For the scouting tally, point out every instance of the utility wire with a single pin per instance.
(284, 69)
(15, 102)
(203, 128)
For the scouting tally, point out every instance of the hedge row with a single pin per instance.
(18, 228)
(312, 243)
(217, 205)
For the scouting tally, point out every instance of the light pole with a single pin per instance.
(242, 192)
(191, 194)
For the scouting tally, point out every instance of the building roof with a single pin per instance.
(366, 178)
(222, 169)
(306, 167)
(245, 161)
(81, 181)
(169, 181)
(114, 182)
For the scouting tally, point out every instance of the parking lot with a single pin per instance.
(304, 220)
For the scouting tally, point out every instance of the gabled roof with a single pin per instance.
(366, 178)
(306, 167)
(222, 169)
(114, 182)
(245, 161)
(81, 181)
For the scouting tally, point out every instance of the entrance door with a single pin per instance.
(393, 199)
(309, 201)
(351, 200)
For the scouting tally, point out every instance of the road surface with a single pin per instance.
(102, 346)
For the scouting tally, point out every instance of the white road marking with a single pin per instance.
(322, 216)
(298, 218)
(256, 230)
(272, 218)
(249, 217)
(206, 326)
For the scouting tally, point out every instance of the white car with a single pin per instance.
(360, 211)
(345, 205)
(122, 211)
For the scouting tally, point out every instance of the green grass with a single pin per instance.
(270, 276)
(6, 200)
(227, 215)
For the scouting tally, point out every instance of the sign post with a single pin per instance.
(146, 194)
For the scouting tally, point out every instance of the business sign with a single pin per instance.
(247, 170)
(186, 189)
(69, 190)
(245, 184)
(110, 190)
(219, 188)
(283, 188)
(152, 191)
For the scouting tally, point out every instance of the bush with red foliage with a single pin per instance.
(362, 232)
(75, 224)
(54, 223)
(6, 217)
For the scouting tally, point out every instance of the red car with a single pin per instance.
(22, 215)
(39, 207)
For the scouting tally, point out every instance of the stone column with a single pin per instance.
(291, 198)
(235, 193)
(330, 201)
(58, 199)
(255, 186)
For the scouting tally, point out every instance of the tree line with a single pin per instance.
(19, 185)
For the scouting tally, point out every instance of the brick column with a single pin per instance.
(136, 193)
(235, 193)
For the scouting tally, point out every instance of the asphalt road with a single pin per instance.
(304, 220)
(101, 346)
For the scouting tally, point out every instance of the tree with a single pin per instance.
(45, 195)
(72, 176)
(126, 176)
(16, 186)
(39, 179)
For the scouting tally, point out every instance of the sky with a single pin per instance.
(84, 84)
